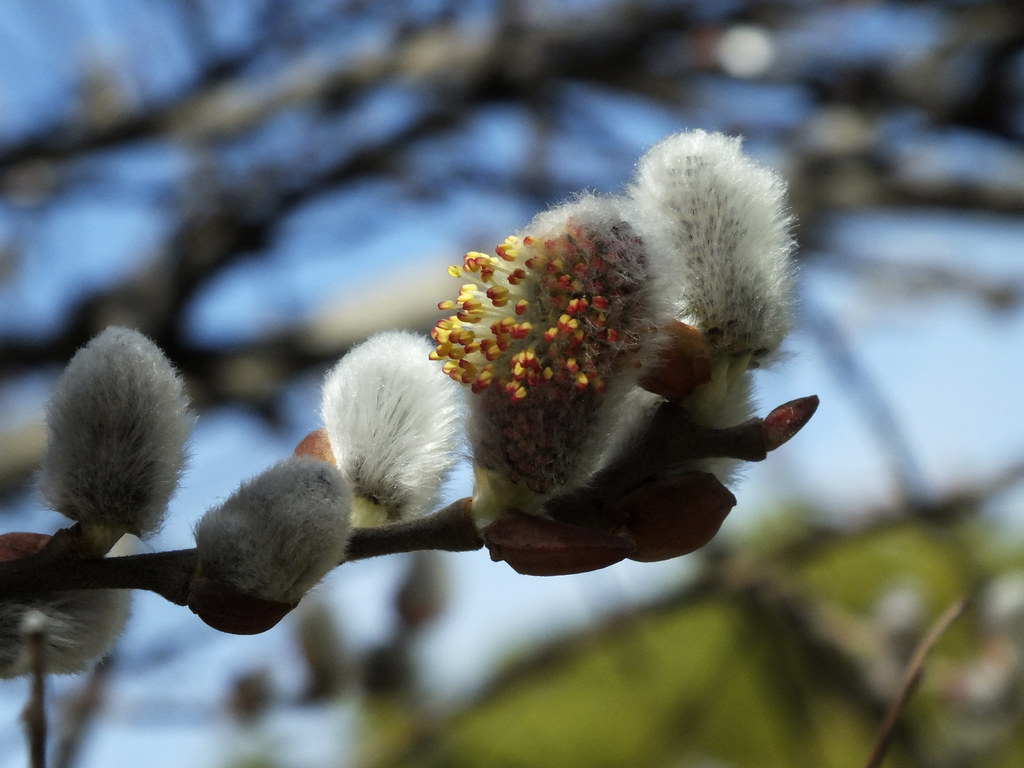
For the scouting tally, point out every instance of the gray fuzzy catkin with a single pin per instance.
(280, 532)
(117, 423)
(717, 232)
(395, 423)
(79, 627)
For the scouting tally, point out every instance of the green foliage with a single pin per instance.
(765, 660)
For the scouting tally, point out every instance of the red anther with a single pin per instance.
(577, 307)
(788, 419)
(675, 515)
(317, 445)
(497, 293)
(538, 546)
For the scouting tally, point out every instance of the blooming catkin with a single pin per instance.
(394, 422)
(548, 336)
(117, 422)
(79, 627)
(280, 532)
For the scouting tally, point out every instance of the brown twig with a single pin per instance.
(34, 629)
(168, 574)
(914, 673)
(60, 566)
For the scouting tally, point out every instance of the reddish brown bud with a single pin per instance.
(683, 364)
(538, 546)
(675, 515)
(788, 419)
(317, 445)
(19, 544)
(226, 609)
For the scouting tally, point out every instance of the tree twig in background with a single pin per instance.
(77, 712)
(34, 627)
(915, 670)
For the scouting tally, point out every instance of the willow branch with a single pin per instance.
(59, 566)
(35, 710)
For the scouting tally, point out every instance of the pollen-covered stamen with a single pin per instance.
(498, 295)
(538, 307)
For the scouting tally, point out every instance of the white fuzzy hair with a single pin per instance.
(717, 232)
(79, 626)
(395, 424)
(279, 533)
(117, 422)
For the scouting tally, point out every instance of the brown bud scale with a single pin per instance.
(226, 609)
(683, 364)
(675, 515)
(19, 544)
(317, 445)
(538, 546)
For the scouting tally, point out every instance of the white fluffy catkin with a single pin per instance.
(717, 234)
(280, 532)
(117, 423)
(80, 626)
(717, 231)
(394, 421)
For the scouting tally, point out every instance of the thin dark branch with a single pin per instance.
(451, 529)
(59, 566)
(168, 574)
(77, 713)
(34, 627)
(915, 670)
